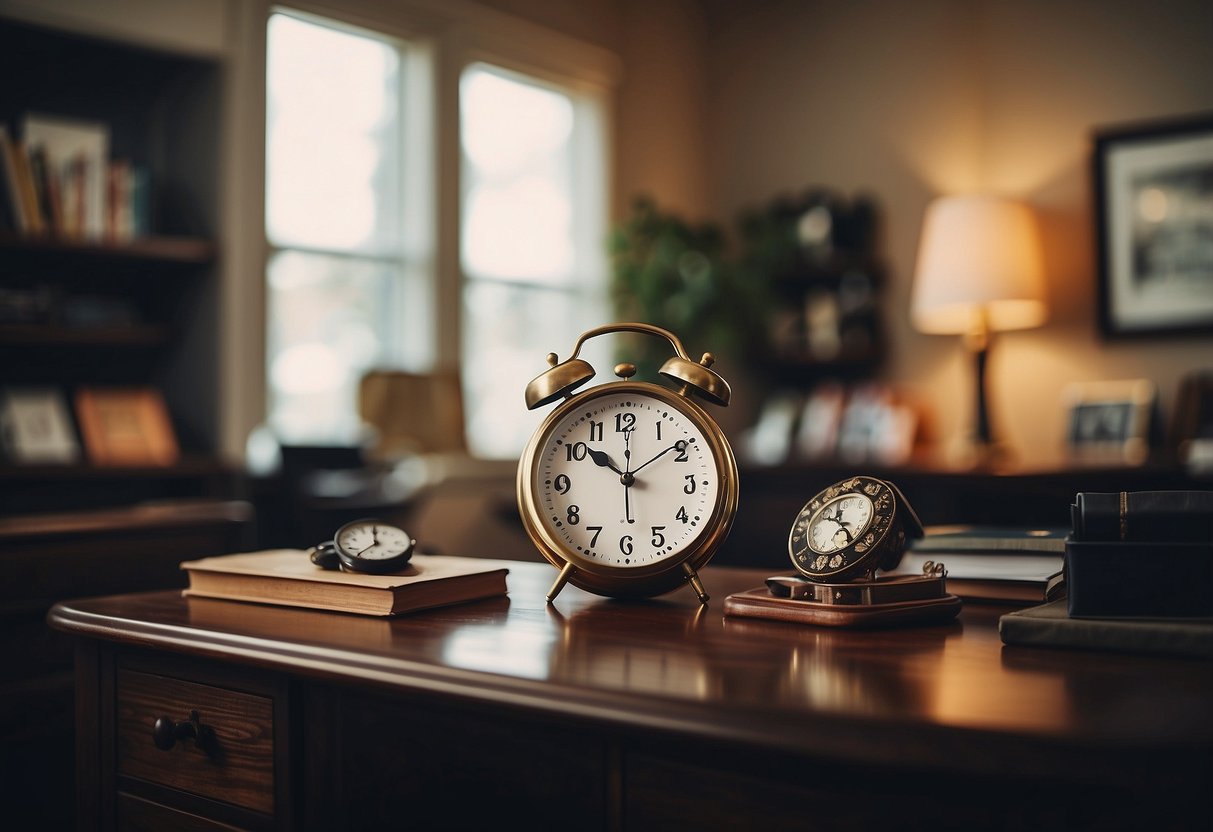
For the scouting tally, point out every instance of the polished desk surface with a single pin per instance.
(945, 697)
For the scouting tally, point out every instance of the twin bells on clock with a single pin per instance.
(562, 378)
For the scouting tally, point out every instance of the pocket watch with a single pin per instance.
(852, 529)
(630, 487)
(368, 545)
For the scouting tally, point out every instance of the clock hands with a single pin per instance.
(842, 524)
(627, 477)
(677, 446)
(602, 460)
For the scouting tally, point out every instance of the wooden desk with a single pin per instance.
(594, 714)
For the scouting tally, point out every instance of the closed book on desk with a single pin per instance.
(1049, 625)
(991, 539)
(288, 577)
(990, 577)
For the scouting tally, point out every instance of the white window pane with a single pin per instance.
(330, 137)
(327, 316)
(510, 125)
(502, 353)
(518, 186)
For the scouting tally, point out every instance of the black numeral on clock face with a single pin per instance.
(595, 431)
(573, 516)
(597, 530)
(625, 544)
(658, 538)
(681, 447)
(562, 483)
(625, 421)
(682, 514)
(576, 451)
(689, 488)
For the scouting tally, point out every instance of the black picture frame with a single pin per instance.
(1153, 193)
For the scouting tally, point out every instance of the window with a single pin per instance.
(353, 222)
(348, 284)
(532, 241)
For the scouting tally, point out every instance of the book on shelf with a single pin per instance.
(287, 577)
(19, 181)
(76, 160)
(1049, 625)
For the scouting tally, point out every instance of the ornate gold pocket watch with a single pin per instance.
(628, 488)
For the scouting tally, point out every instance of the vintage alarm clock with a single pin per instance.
(628, 488)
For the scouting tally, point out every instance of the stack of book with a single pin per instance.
(991, 563)
(57, 179)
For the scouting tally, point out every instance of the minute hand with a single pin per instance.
(659, 456)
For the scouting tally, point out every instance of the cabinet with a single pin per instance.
(817, 253)
(81, 312)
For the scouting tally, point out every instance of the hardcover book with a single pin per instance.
(1049, 625)
(287, 577)
(996, 539)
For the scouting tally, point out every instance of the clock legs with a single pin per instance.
(561, 580)
(696, 584)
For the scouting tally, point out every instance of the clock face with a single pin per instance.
(371, 540)
(625, 480)
(839, 523)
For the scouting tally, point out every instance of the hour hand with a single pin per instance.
(602, 460)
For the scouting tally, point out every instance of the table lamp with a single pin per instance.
(979, 271)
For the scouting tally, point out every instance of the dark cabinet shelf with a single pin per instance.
(157, 249)
(37, 335)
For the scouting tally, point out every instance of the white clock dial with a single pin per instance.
(373, 541)
(626, 481)
(839, 523)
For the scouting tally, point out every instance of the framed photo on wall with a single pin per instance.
(1109, 421)
(1153, 188)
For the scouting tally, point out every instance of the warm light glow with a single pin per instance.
(979, 258)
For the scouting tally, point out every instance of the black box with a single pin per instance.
(1134, 579)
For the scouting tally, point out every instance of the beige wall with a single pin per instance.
(911, 100)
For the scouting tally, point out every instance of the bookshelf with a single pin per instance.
(116, 307)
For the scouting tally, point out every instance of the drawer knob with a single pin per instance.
(166, 732)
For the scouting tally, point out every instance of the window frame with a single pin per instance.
(457, 35)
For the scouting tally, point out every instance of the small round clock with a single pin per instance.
(366, 545)
(851, 529)
(628, 488)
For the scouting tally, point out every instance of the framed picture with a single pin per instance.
(1109, 421)
(1154, 227)
(126, 426)
(36, 427)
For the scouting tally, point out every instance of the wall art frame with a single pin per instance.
(1153, 193)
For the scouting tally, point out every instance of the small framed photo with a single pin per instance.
(1153, 188)
(1109, 421)
(36, 427)
(126, 426)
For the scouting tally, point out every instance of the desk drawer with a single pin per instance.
(236, 765)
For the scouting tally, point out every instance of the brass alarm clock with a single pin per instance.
(628, 488)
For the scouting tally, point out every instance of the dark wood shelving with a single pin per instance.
(39, 335)
(187, 466)
(160, 249)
